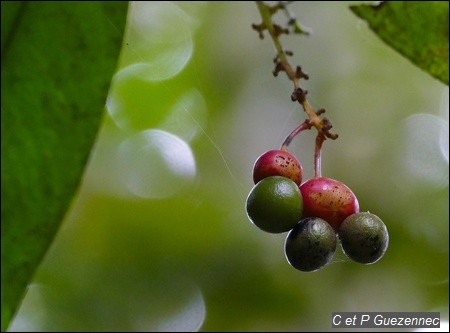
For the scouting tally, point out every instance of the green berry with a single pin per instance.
(310, 245)
(364, 237)
(275, 204)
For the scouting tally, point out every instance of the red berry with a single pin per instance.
(328, 199)
(278, 163)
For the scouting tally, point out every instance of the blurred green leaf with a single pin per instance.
(57, 64)
(416, 29)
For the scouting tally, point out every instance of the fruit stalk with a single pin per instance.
(320, 138)
(303, 126)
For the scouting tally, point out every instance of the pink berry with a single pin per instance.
(328, 199)
(277, 163)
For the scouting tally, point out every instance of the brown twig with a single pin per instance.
(282, 64)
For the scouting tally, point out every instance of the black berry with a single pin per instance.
(310, 245)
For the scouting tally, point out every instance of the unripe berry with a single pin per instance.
(328, 199)
(277, 163)
(275, 204)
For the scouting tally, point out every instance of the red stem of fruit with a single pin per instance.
(305, 125)
(318, 155)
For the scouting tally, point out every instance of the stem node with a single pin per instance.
(320, 111)
(299, 74)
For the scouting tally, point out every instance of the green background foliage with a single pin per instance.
(158, 239)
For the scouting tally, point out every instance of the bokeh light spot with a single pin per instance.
(423, 158)
(136, 104)
(187, 116)
(159, 36)
(187, 319)
(156, 164)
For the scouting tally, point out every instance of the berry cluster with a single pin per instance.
(317, 213)
(320, 211)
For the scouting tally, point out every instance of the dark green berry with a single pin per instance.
(275, 204)
(364, 237)
(310, 245)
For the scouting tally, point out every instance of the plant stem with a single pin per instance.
(283, 64)
(266, 16)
